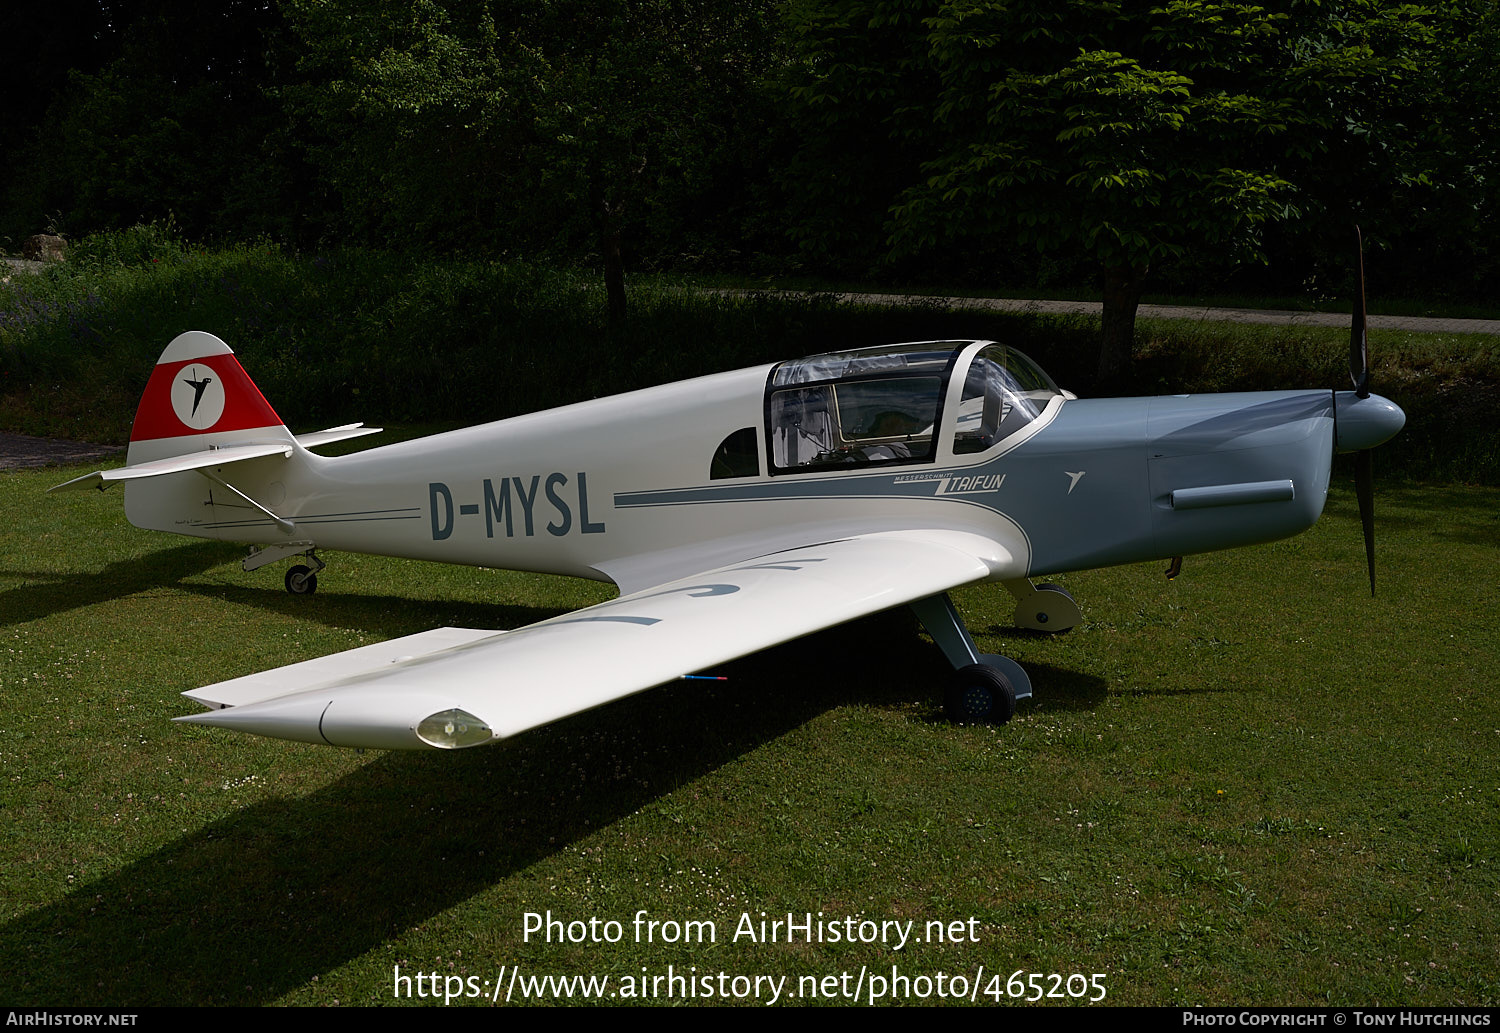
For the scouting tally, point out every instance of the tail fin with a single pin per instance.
(201, 415)
(199, 397)
(208, 455)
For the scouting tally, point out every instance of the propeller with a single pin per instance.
(1359, 344)
(1359, 373)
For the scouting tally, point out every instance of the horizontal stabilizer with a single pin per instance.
(313, 439)
(102, 479)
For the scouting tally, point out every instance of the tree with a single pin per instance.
(630, 106)
(1126, 131)
(39, 47)
(162, 113)
(1394, 108)
(474, 123)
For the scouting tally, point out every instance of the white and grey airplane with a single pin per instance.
(734, 512)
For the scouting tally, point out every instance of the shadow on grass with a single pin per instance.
(379, 614)
(52, 593)
(1059, 689)
(251, 907)
(1470, 517)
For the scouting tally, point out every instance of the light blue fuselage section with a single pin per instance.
(1095, 487)
(1120, 507)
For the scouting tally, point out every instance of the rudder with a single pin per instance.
(198, 396)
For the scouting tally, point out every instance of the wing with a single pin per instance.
(461, 687)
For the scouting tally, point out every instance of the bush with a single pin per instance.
(137, 246)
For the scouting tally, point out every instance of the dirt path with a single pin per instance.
(21, 452)
(1192, 313)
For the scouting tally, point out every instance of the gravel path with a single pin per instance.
(20, 452)
(1193, 313)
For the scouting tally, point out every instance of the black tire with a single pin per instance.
(301, 580)
(980, 694)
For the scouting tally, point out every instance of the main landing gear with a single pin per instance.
(980, 694)
(986, 686)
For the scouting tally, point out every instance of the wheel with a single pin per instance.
(301, 580)
(980, 693)
(1050, 608)
(1044, 614)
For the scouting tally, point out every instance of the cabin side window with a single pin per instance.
(880, 419)
(737, 456)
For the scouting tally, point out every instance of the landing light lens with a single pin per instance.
(453, 729)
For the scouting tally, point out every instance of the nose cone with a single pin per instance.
(1365, 422)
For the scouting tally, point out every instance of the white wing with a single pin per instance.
(461, 687)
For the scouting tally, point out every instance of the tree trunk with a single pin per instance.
(1122, 296)
(607, 221)
(614, 277)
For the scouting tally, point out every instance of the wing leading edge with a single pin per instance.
(462, 687)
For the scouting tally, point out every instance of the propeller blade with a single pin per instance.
(1364, 490)
(1359, 345)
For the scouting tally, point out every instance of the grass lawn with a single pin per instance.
(1251, 785)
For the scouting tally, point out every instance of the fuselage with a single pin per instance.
(651, 485)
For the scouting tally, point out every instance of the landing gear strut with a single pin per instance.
(985, 686)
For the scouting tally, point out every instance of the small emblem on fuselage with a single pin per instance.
(1073, 479)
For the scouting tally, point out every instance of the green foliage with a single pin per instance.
(1197, 136)
(137, 245)
(175, 125)
(1130, 134)
(1407, 145)
(544, 127)
(378, 336)
(399, 106)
